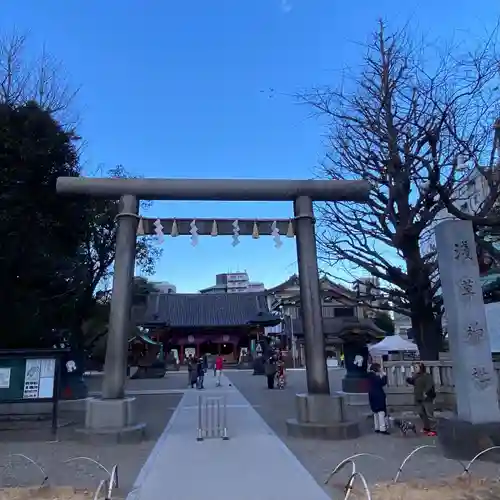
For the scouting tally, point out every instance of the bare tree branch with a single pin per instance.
(42, 80)
(399, 124)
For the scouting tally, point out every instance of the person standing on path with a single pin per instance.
(190, 368)
(281, 372)
(424, 394)
(194, 373)
(270, 369)
(377, 379)
(219, 364)
(200, 372)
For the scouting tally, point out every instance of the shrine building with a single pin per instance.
(345, 319)
(198, 324)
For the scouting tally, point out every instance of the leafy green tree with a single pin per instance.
(55, 252)
(41, 231)
(97, 253)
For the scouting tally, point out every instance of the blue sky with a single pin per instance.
(180, 88)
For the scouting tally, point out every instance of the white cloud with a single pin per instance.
(286, 6)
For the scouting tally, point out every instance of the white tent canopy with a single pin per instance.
(390, 344)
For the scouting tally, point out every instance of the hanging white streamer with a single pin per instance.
(236, 233)
(276, 235)
(159, 231)
(194, 233)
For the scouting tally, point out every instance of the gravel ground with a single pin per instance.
(320, 457)
(33, 439)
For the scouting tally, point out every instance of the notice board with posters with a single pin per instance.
(27, 378)
(31, 376)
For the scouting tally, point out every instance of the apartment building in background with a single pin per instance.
(164, 287)
(238, 282)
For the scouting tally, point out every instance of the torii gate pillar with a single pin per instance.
(319, 414)
(310, 297)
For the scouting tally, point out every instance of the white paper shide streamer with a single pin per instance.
(255, 231)
(236, 233)
(275, 233)
(140, 227)
(175, 230)
(215, 229)
(194, 233)
(159, 231)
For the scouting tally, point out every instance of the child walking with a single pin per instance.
(376, 396)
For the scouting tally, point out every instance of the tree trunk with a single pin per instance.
(426, 327)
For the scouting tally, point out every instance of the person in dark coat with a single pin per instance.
(193, 372)
(376, 395)
(270, 368)
(200, 371)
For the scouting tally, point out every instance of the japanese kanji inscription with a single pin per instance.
(474, 334)
(482, 377)
(467, 287)
(462, 250)
(474, 375)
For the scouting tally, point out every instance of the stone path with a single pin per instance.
(254, 462)
(320, 457)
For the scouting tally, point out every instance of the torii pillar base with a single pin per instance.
(321, 416)
(111, 421)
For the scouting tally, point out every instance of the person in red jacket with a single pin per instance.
(219, 364)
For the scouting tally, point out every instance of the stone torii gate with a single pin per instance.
(113, 415)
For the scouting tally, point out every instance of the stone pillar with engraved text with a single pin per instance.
(475, 379)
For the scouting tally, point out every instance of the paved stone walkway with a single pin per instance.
(254, 463)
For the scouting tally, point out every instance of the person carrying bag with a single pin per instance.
(424, 394)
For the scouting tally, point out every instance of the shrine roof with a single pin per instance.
(344, 326)
(203, 310)
(326, 285)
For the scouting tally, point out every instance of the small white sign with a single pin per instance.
(4, 378)
(31, 379)
(48, 368)
(46, 388)
(39, 378)
(32, 373)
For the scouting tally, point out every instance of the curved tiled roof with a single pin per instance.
(198, 310)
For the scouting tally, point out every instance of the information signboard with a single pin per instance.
(31, 375)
